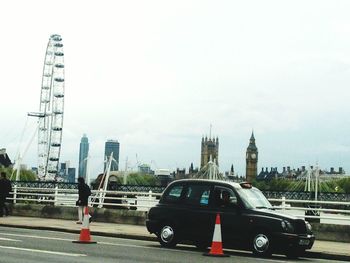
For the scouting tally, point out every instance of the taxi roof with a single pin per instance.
(234, 184)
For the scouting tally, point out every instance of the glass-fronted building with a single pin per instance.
(83, 155)
(112, 146)
(71, 175)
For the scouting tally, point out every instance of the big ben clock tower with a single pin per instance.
(251, 160)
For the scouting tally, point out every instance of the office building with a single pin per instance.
(67, 173)
(83, 156)
(112, 146)
(71, 175)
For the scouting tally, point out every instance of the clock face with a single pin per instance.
(253, 155)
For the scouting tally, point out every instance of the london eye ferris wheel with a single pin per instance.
(51, 109)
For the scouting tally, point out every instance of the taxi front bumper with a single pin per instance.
(286, 240)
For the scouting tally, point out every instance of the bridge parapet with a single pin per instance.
(340, 197)
(322, 196)
(45, 184)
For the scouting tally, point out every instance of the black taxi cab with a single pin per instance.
(188, 208)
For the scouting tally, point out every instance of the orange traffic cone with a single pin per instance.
(216, 245)
(85, 237)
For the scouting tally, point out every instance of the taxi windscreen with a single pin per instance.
(254, 198)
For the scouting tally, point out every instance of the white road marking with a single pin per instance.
(70, 240)
(273, 260)
(125, 245)
(45, 251)
(9, 239)
(181, 251)
(39, 237)
(129, 245)
(320, 259)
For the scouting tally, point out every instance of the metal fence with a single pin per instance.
(331, 212)
(99, 198)
(337, 212)
(342, 197)
(113, 186)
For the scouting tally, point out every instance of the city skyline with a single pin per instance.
(110, 146)
(155, 75)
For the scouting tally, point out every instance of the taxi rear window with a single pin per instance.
(174, 194)
(197, 195)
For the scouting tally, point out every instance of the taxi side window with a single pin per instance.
(197, 195)
(174, 194)
(224, 197)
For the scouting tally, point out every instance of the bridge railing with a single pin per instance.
(299, 195)
(68, 197)
(310, 209)
(336, 211)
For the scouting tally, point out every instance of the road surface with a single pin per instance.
(19, 245)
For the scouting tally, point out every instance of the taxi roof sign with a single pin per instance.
(246, 185)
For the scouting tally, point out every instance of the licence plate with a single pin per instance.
(304, 242)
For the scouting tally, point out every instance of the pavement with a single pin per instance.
(320, 249)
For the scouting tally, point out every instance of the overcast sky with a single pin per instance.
(155, 74)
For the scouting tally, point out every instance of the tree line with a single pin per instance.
(331, 186)
(25, 175)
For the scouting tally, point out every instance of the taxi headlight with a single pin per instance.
(287, 226)
(308, 226)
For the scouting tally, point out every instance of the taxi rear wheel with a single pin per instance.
(167, 235)
(261, 244)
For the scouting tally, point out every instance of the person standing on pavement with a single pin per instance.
(5, 189)
(84, 193)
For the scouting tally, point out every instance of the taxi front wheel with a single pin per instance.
(261, 244)
(167, 235)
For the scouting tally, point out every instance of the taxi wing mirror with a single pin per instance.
(233, 202)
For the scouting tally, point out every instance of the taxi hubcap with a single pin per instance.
(261, 243)
(167, 234)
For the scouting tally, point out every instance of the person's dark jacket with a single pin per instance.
(84, 193)
(5, 187)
